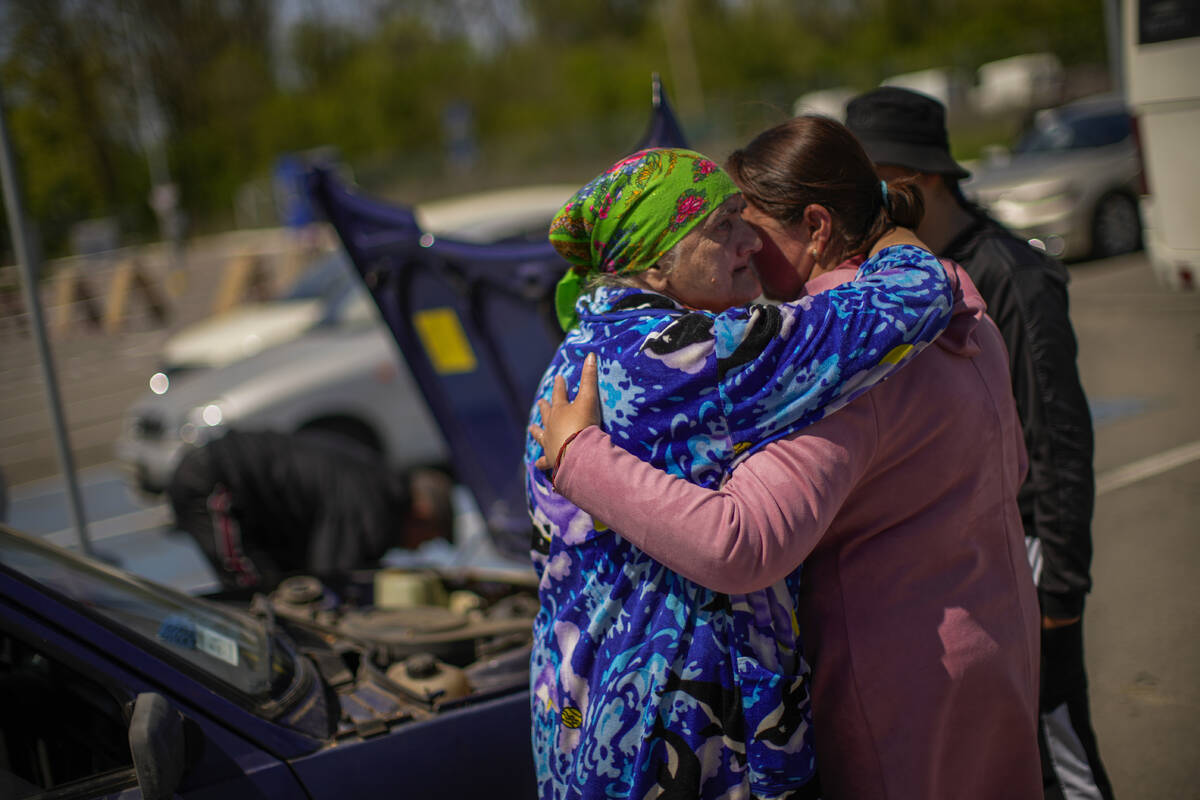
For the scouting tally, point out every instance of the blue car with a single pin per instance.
(113, 686)
(409, 682)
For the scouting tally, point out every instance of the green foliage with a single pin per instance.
(580, 22)
(556, 90)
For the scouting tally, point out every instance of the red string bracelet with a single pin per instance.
(561, 450)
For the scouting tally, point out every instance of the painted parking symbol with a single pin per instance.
(1107, 410)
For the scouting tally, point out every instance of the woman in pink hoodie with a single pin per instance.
(919, 612)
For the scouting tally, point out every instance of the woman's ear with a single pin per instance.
(818, 224)
(656, 279)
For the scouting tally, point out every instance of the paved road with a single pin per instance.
(1140, 363)
(1139, 353)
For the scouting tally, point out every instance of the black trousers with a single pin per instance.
(202, 507)
(1071, 766)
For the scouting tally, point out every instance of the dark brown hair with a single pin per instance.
(813, 159)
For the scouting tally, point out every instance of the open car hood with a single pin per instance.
(384, 648)
(476, 325)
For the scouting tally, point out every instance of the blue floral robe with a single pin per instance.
(645, 684)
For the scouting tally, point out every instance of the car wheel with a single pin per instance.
(1116, 226)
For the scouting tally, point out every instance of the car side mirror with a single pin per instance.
(158, 744)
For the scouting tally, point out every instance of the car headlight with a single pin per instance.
(202, 423)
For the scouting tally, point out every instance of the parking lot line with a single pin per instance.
(152, 518)
(1147, 468)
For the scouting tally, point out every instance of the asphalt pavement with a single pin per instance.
(1139, 358)
(1139, 349)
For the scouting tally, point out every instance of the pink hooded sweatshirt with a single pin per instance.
(920, 616)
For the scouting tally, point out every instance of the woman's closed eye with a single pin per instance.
(720, 231)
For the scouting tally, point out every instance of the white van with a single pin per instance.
(1162, 78)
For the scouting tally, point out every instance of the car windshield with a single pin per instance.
(1055, 132)
(231, 648)
(333, 282)
(347, 305)
(327, 279)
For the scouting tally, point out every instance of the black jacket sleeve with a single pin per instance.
(1026, 293)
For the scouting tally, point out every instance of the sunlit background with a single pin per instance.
(109, 99)
(158, 144)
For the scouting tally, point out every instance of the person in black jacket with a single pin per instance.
(262, 505)
(904, 133)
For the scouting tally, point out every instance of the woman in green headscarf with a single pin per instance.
(643, 682)
(627, 221)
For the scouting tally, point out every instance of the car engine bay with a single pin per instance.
(395, 646)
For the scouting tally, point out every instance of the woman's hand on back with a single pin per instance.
(562, 418)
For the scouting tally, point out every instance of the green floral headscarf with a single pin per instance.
(627, 218)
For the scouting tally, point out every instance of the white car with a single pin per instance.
(346, 379)
(341, 373)
(323, 291)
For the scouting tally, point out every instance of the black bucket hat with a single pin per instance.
(903, 128)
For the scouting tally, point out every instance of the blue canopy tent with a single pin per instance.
(474, 322)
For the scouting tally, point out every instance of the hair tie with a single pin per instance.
(883, 186)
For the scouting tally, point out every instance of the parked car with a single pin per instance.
(323, 292)
(1070, 185)
(409, 682)
(339, 378)
(111, 685)
(337, 370)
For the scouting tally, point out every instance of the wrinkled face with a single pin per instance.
(712, 269)
(784, 263)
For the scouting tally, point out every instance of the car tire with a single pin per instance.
(1116, 226)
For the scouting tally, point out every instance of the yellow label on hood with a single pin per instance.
(444, 340)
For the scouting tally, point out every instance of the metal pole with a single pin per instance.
(1116, 52)
(682, 55)
(30, 266)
